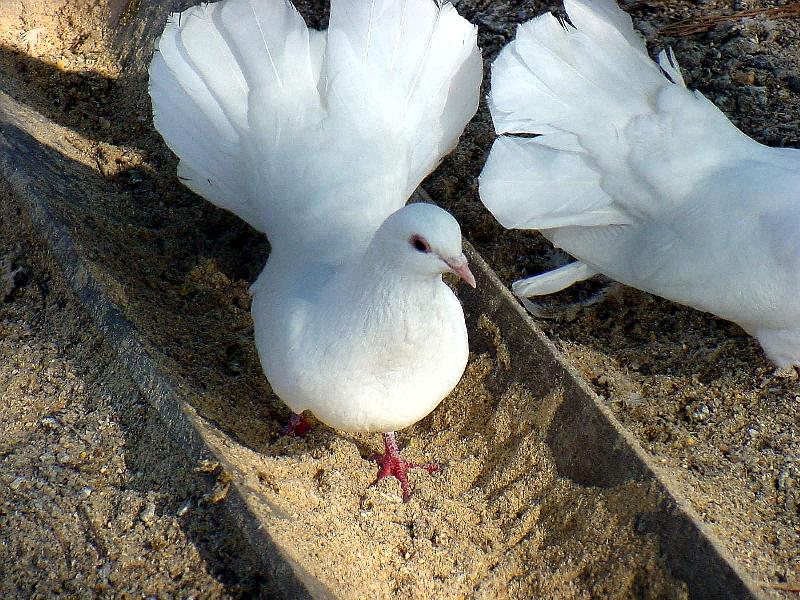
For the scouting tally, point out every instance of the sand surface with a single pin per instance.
(94, 502)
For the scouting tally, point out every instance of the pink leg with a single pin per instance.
(391, 464)
(297, 426)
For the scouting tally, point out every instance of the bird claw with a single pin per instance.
(298, 426)
(391, 464)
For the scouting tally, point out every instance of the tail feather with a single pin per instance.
(545, 80)
(270, 41)
(314, 137)
(566, 187)
(454, 99)
(185, 115)
(617, 125)
(175, 58)
(200, 89)
(669, 64)
(207, 52)
(603, 19)
(409, 67)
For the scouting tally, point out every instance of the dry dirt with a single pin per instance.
(497, 520)
(94, 502)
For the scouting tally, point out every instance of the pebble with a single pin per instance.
(701, 414)
(148, 513)
(633, 400)
(743, 77)
(51, 422)
(184, 508)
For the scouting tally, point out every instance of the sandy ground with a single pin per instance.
(697, 392)
(93, 500)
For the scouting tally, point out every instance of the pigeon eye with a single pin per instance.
(419, 244)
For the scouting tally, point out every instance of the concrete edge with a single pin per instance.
(592, 448)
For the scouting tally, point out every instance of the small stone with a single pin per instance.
(793, 83)
(701, 413)
(743, 77)
(17, 483)
(184, 508)
(640, 524)
(51, 422)
(422, 528)
(632, 400)
(85, 492)
(604, 380)
(148, 513)
(132, 177)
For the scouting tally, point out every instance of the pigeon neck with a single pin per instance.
(380, 274)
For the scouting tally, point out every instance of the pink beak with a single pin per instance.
(460, 267)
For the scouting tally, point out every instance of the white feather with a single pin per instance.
(640, 178)
(318, 139)
(380, 98)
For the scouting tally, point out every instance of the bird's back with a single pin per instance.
(634, 174)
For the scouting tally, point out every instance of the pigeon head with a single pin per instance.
(422, 239)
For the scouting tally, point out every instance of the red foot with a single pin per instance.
(297, 426)
(392, 465)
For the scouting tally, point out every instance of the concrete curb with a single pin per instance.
(22, 162)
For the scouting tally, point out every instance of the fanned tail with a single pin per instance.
(608, 116)
(209, 59)
(409, 68)
(314, 137)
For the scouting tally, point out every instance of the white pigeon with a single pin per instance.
(641, 179)
(318, 138)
